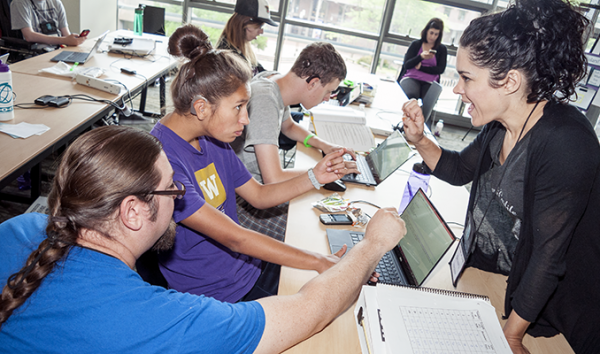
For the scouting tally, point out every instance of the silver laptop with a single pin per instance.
(378, 165)
(79, 57)
(427, 239)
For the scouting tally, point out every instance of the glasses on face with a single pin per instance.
(179, 192)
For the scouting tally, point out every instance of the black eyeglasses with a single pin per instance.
(179, 192)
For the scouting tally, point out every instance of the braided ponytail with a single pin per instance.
(97, 172)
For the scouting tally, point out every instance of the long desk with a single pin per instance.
(67, 123)
(305, 231)
(148, 69)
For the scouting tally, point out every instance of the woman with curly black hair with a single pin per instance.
(534, 209)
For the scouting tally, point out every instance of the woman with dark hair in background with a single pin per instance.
(534, 209)
(244, 26)
(424, 62)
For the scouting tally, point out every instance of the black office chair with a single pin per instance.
(286, 144)
(11, 41)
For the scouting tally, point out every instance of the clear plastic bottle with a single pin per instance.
(418, 178)
(438, 127)
(6, 94)
(138, 21)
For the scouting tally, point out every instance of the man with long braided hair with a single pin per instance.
(71, 284)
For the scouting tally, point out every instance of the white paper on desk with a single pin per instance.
(63, 69)
(342, 126)
(355, 136)
(23, 130)
(331, 113)
(414, 319)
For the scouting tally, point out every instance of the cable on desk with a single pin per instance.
(455, 223)
(365, 202)
(130, 55)
(36, 106)
(92, 99)
(128, 92)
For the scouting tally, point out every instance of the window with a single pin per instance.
(354, 27)
(356, 15)
(173, 13)
(357, 52)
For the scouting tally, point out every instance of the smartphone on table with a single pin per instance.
(335, 219)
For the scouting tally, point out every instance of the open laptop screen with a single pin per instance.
(391, 154)
(427, 236)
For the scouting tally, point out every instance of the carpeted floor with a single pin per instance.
(451, 138)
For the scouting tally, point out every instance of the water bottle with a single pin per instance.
(438, 127)
(6, 94)
(419, 178)
(138, 21)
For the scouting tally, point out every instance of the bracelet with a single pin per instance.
(313, 179)
(307, 139)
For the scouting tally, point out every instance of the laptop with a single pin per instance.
(79, 57)
(4, 58)
(427, 239)
(378, 165)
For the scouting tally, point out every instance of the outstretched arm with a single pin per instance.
(291, 319)
(295, 131)
(222, 229)
(331, 168)
(68, 38)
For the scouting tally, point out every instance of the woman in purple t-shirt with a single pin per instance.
(424, 62)
(213, 255)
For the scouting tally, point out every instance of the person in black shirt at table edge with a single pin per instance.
(534, 208)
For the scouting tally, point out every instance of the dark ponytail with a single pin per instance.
(97, 172)
(542, 38)
(213, 74)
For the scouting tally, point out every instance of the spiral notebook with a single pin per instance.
(405, 319)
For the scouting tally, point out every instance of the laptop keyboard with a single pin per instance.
(74, 56)
(386, 268)
(363, 166)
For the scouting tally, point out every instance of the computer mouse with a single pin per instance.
(336, 186)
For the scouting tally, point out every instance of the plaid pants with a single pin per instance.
(271, 222)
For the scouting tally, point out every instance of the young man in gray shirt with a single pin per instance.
(43, 21)
(317, 72)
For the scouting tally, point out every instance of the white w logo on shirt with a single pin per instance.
(209, 187)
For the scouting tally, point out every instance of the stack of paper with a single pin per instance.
(342, 126)
(23, 130)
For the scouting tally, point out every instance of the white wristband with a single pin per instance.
(313, 179)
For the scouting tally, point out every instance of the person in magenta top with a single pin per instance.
(424, 61)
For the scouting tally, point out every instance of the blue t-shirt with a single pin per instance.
(95, 303)
(198, 264)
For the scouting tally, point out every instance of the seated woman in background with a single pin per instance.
(244, 26)
(534, 209)
(424, 62)
(213, 255)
